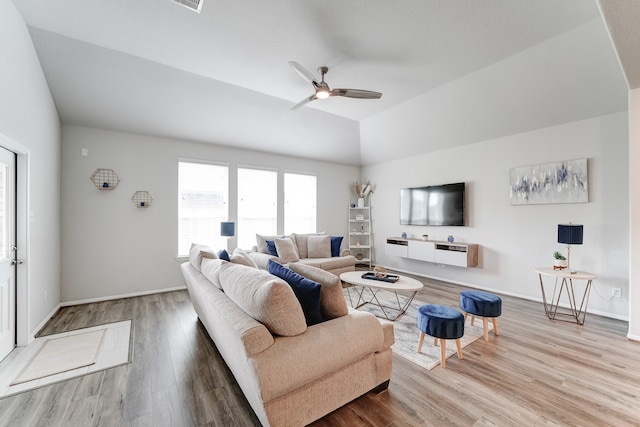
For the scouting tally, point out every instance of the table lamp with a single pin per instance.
(227, 229)
(570, 234)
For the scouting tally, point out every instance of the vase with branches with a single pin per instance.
(362, 191)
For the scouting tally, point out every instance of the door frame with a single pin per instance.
(23, 326)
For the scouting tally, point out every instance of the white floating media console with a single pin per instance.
(458, 254)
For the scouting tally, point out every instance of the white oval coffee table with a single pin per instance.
(404, 284)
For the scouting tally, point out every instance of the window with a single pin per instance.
(257, 205)
(202, 204)
(299, 203)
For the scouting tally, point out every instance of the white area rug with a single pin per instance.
(60, 357)
(407, 333)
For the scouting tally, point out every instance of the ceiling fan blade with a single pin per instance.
(304, 73)
(304, 101)
(356, 93)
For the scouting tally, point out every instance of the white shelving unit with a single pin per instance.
(361, 234)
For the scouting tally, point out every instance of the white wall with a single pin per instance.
(112, 248)
(634, 196)
(515, 239)
(28, 117)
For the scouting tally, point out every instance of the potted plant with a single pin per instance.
(560, 261)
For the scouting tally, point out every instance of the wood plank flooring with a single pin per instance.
(538, 372)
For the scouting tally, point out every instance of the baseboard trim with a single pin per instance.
(512, 294)
(112, 297)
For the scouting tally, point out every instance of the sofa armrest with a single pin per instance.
(262, 260)
(292, 362)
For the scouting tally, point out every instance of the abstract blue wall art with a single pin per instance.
(560, 182)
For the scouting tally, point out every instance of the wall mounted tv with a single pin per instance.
(433, 205)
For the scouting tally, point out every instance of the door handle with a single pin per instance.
(17, 261)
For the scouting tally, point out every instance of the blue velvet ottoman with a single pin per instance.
(442, 323)
(482, 304)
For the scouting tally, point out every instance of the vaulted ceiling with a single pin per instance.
(221, 76)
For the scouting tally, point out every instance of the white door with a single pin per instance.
(7, 253)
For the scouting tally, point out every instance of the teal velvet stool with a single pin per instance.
(482, 304)
(442, 323)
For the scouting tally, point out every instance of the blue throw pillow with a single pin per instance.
(336, 242)
(223, 254)
(307, 291)
(271, 247)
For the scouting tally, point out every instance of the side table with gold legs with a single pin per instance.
(567, 278)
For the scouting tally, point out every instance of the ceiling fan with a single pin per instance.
(322, 90)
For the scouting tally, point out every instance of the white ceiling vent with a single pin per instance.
(194, 5)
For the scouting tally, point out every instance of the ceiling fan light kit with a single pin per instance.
(322, 90)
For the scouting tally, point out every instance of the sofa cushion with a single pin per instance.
(307, 291)
(195, 255)
(223, 254)
(331, 263)
(286, 250)
(241, 257)
(210, 269)
(319, 246)
(332, 302)
(301, 242)
(266, 298)
(336, 242)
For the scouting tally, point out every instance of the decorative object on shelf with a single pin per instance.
(379, 271)
(105, 179)
(359, 217)
(425, 237)
(404, 235)
(570, 234)
(450, 238)
(353, 205)
(142, 199)
(359, 257)
(560, 261)
(559, 182)
(362, 191)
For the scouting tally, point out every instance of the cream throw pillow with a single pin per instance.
(241, 257)
(287, 251)
(332, 302)
(319, 246)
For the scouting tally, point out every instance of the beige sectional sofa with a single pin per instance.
(310, 249)
(290, 373)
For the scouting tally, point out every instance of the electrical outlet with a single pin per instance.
(616, 292)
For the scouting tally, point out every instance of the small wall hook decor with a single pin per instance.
(142, 199)
(105, 179)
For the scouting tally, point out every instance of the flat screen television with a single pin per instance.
(433, 205)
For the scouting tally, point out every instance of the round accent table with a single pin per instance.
(367, 291)
(576, 314)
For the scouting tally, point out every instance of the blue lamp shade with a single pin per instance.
(570, 234)
(227, 229)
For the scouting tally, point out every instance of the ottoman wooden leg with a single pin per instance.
(485, 325)
(495, 326)
(459, 346)
(420, 340)
(443, 352)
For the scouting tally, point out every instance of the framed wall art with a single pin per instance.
(559, 182)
